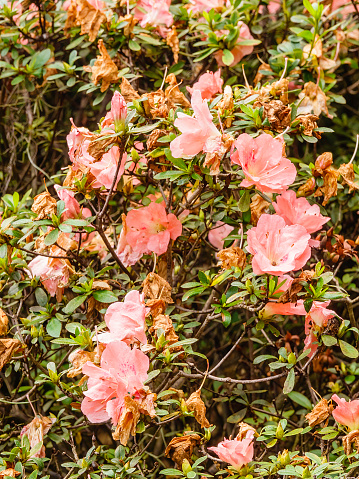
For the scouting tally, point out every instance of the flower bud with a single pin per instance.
(118, 111)
(279, 432)
(292, 358)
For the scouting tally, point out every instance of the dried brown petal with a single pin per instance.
(174, 96)
(308, 122)
(155, 106)
(80, 357)
(348, 440)
(277, 113)
(155, 287)
(4, 323)
(244, 429)
(97, 146)
(316, 49)
(8, 347)
(321, 411)
(157, 306)
(152, 142)
(173, 42)
(194, 403)
(101, 285)
(307, 189)
(258, 207)
(127, 91)
(130, 415)
(280, 89)
(89, 18)
(9, 472)
(330, 187)
(36, 430)
(346, 171)
(71, 17)
(164, 322)
(103, 69)
(131, 23)
(44, 205)
(233, 256)
(313, 100)
(181, 448)
(259, 76)
(322, 163)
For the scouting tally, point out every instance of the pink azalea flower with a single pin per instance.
(237, 453)
(273, 7)
(157, 13)
(283, 309)
(347, 412)
(348, 7)
(315, 321)
(118, 111)
(276, 247)
(126, 320)
(198, 6)
(218, 234)
(123, 371)
(72, 206)
(105, 169)
(239, 51)
(263, 163)
(77, 142)
(298, 211)
(53, 273)
(198, 131)
(209, 84)
(145, 230)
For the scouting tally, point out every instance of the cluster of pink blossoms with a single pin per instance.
(147, 230)
(79, 139)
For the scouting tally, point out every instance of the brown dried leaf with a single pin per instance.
(258, 207)
(330, 187)
(8, 347)
(173, 42)
(127, 91)
(346, 171)
(103, 69)
(44, 205)
(4, 323)
(155, 287)
(233, 256)
(321, 411)
(89, 18)
(173, 94)
(130, 415)
(181, 448)
(101, 285)
(194, 403)
(131, 23)
(36, 430)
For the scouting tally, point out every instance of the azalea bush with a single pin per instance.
(179, 239)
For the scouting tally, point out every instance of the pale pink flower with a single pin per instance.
(146, 230)
(239, 51)
(118, 111)
(198, 131)
(276, 247)
(287, 282)
(157, 13)
(126, 320)
(237, 453)
(283, 309)
(209, 84)
(219, 233)
(77, 142)
(105, 169)
(53, 273)
(198, 6)
(315, 321)
(273, 7)
(72, 206)
(298, 211)
(263, 163)
(348, 7)
(347, 412)
(123, 371)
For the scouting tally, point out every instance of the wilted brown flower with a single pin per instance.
(307, 189)
(103, 69)
(99, 145)
(44, 205)
(194, 403)
(320, 413)
(259, 75)
(9, 472)
(155, 287)
(173, 42)
(308, 123)
(82, 14)
(346, 171)
(348, 440)
(225, 105)
(157, 306)
(131, 23)
(233, 256)
(155, 105)
(313, 100)
(322, 163)
(36, 430)
(130, 415)
(80, 357)
(152, 142)
(277, 113)
(181, 448)
(8, 347)
(330, 186)
(164, 322)
(174, 96)
(4, 323)
(127, 91)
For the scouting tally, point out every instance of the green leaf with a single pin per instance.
(171, 472)
(348, 350)
(41, 297)
(53, 327)
(134, 46)
(227, 57)
(263, 357)
(289, 382)
(328, 340)
(300, 399)
(237, 417)
(244, 202)
(51, 238)
(104, 296)
(74, 304)
(193, 292)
